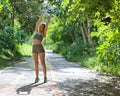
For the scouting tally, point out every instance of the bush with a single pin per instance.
(108, 50)
(9, 40)
(79, 48)
(25, 49)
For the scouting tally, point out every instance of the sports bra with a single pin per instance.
(38, 36)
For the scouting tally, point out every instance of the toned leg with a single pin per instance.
(35, 57)
(42, 59)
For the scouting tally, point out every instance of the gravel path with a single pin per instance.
(64, 79)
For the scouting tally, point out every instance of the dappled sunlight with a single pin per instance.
(16, 70)
(84, 31)
(79, 87)
(64, 78)
(74, 80)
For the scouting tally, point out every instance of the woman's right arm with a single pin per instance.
(46, 26)
(38, 23)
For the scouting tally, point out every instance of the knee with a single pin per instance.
(43, 63)
(36, 63)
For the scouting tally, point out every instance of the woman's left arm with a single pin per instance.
(46, 26)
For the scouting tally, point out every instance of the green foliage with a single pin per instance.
(88, 61)
(108, 50)
(3, 63)
(5, 18)
(78, 48)
(22, 49)
(10, 40)
(115, 12)
(17, 21)
(66, 38)
(92, 62)
(27, 13)
(71, 23)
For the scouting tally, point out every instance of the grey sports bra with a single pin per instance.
(38, 36)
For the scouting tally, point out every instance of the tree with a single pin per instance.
(18, 18)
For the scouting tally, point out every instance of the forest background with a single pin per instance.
(85, 31)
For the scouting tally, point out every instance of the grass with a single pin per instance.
(25, 49)
(92, 63)
(7, 59)
(4, 63)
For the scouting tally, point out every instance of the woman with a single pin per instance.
(37, 48)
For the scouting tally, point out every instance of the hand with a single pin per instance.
(46, 14)
(40, 17)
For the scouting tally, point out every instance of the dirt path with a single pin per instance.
(64, 79)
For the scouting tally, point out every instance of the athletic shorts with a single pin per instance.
(38, 49)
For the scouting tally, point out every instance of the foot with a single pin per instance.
(36, 79)
(45, 79)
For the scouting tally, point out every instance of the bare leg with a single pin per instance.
(35, 57)
(42, 59)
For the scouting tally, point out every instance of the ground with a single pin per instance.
(64, 79)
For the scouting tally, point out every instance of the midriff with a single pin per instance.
(36, 42)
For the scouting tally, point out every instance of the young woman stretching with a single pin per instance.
(37, 48)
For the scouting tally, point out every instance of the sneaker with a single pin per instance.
(36, 79)
(45, 79)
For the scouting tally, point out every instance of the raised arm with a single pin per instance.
(38, 23)
(46, 26)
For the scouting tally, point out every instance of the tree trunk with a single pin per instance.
(82, 29)
(88, 30)
(73, 37)
(85, 31)
(83, 34)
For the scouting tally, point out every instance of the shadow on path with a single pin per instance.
(27, 88)
(79, 87)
